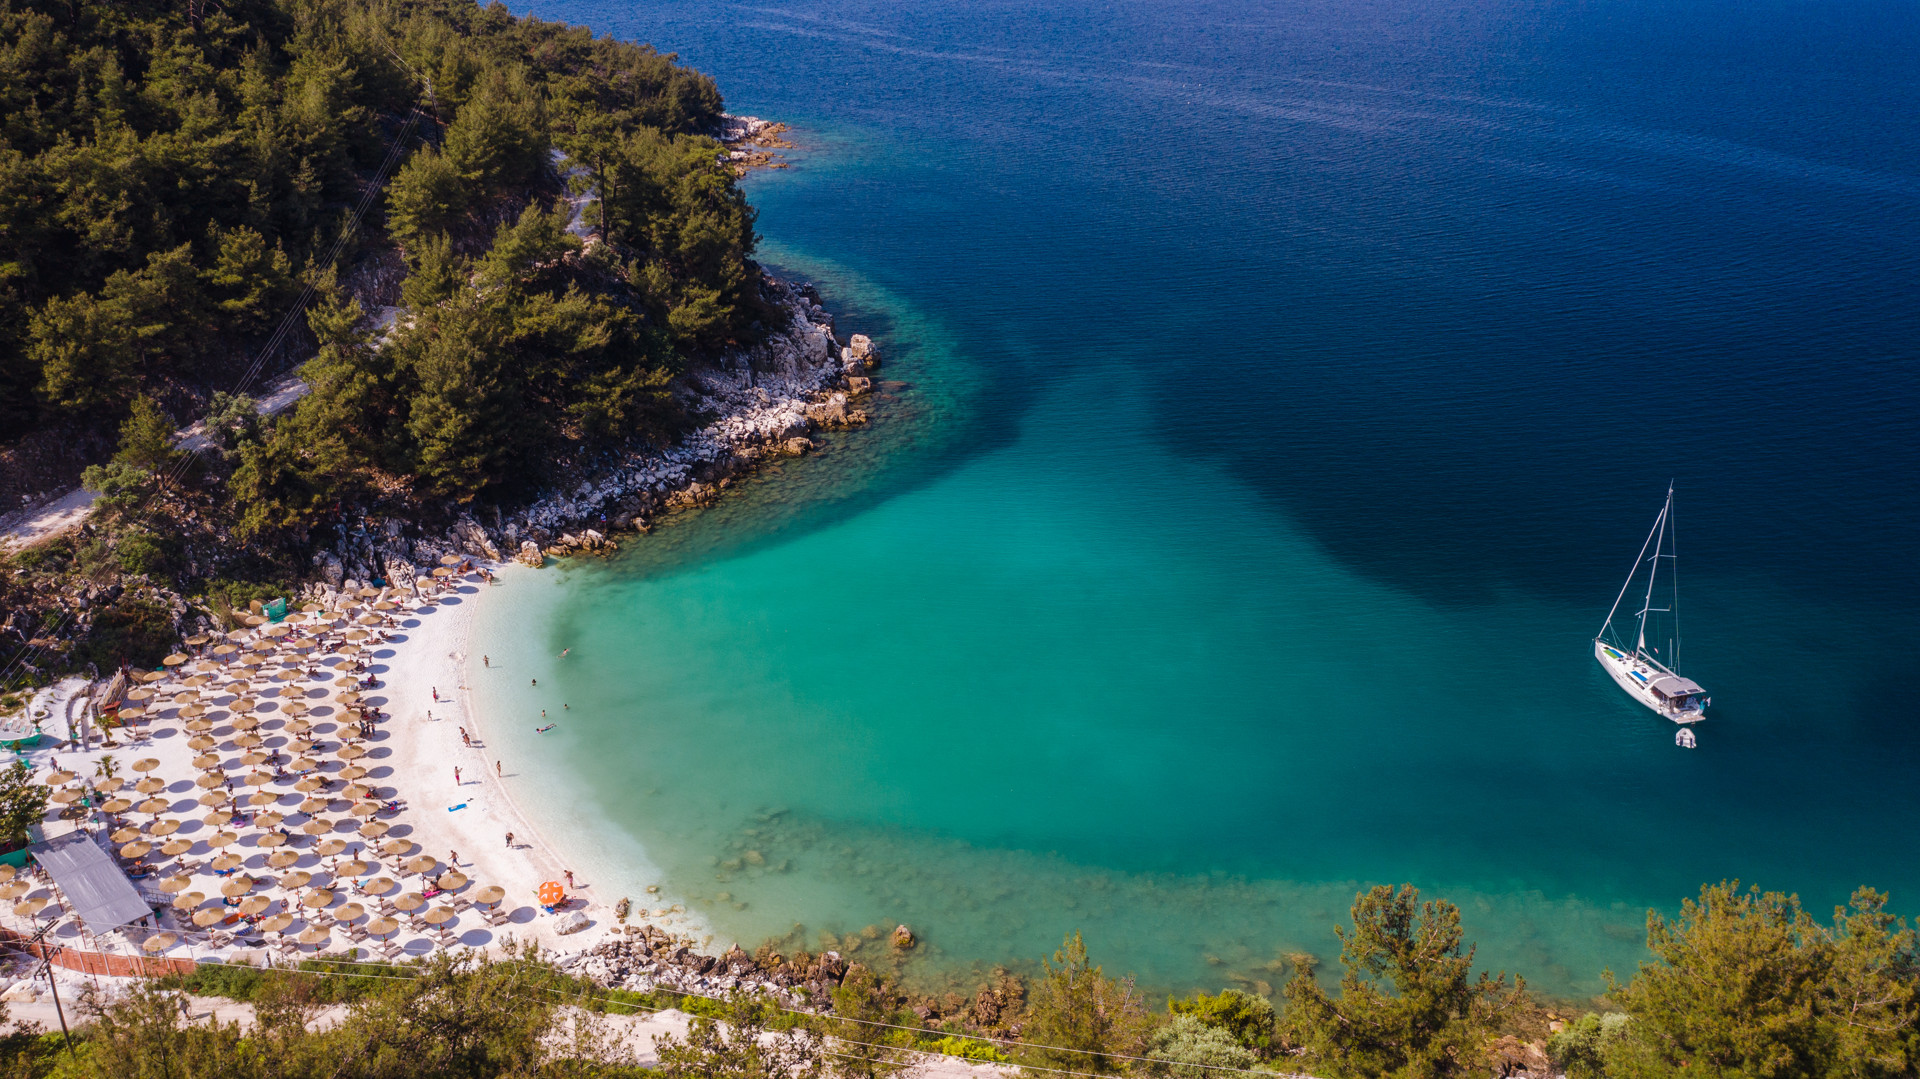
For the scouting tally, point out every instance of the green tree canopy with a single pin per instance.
(1080, 1020)
(1409, 1005)
(1746, 983)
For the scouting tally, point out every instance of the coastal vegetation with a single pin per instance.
(1740, 983)
(494, 240)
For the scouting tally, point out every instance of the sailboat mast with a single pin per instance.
(1673, 545)
(1653, 570)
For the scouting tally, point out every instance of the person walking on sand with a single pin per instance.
(456, 775)
(569, 876)
(509, 840)
(496, 769)
(453, 857)
(485, 662)
(436, 694)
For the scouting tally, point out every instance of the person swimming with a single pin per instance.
(543, 730)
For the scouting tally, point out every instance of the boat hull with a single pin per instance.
(1624, 668)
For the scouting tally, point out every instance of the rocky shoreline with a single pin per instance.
(760, 403)
(751, 142)
(647, 958)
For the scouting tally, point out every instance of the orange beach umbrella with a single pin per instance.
(551, 892)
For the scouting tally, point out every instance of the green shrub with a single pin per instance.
(967, 1049)
(143, 553)
(1188, 1048)
(133, 630)
(1579, 1049)
(1248, 1018)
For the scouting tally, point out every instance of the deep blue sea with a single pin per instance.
(1278, 395)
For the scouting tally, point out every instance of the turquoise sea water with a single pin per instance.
(1281, 393)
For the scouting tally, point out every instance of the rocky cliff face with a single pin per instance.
(760, 402)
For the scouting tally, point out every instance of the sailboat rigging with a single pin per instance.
(1640, 669)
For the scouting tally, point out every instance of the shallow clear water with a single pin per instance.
(1287, 390)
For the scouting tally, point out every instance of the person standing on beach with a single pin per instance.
(453, 857)
(485, 662)
(569, 876)
(509, 840)
(496, 769)
(456, 775)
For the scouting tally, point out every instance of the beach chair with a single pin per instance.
(461, 903)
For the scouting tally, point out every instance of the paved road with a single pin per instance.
(35, 524)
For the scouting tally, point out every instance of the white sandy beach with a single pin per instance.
(425, 751)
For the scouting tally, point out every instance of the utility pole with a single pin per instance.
(46, 966)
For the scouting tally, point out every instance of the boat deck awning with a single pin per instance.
(100, 893)
(1672, 685)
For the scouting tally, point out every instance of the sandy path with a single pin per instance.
(26, 527)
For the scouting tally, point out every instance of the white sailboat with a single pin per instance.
(1649, 675)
